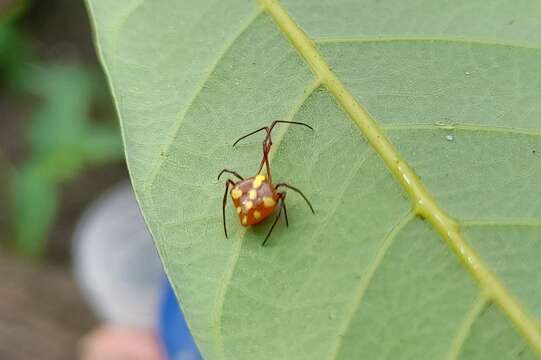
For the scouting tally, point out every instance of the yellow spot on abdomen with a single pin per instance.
(258, 181)
(248, 205)
(236, 193)
(257, 215)
(252, 194)
(244, 220)
(238, 209)
(268, 201)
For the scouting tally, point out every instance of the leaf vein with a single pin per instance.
(218, 307)
(318, 231)
(367, 279)
(465, 327)
(502, 222)
(383, 39)
(463, 127)
(153, 174)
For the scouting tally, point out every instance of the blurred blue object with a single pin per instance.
(174, 333)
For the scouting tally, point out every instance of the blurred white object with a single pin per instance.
(115, 261)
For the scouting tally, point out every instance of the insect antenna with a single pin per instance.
(250, 134)
(268, 129)
(229, 172)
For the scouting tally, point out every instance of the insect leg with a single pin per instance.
(275, 221)
(298, 191)
(285, 209)
(227, 183)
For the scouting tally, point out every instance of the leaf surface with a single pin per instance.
(452, 89)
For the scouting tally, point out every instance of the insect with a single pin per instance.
(256, 197)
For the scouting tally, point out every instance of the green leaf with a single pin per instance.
(62, 137)
(63, 141)
(425, 243)
(34, 204)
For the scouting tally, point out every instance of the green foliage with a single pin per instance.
(61, 137)
(63, 141)
(34, 203)
(454, 85)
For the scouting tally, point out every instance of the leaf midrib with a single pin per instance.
(366, 280)
(423, 203)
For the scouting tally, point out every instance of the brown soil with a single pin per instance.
(42, 315)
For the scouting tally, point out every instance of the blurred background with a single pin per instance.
(60, 149)
(59, 141)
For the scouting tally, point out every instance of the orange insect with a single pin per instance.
(256, 198)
